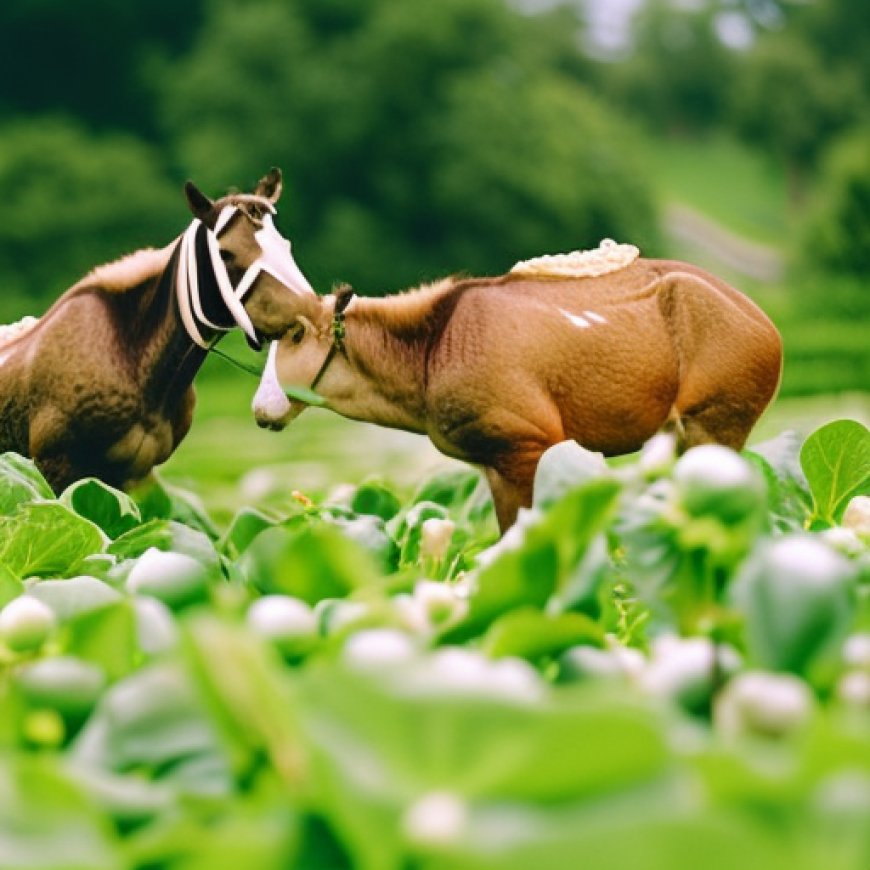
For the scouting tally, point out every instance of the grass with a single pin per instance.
(727, 181)
(229, 462)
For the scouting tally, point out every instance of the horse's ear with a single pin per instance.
(201, 206)
(270, 185)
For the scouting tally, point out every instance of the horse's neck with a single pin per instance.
(386, 347)
(162, 357)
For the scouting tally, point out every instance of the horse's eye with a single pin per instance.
(298, 334)
(227, 256)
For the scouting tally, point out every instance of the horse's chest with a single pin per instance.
(142, 446)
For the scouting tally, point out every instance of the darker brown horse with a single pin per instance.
(101, 385)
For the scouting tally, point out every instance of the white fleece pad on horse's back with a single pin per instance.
(607, 257)
(9, 331)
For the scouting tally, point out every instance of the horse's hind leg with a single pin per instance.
(717, 420)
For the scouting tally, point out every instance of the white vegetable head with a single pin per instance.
(712, 479)
(439, 601)
(280, 617)
(857, 516)
(435, 537)
(763, 703)
(436, 819)
(853, 689)
(26, 623)
(375, 648)
(175, 578)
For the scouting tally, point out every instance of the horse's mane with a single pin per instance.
(406, 310)
(127, 272)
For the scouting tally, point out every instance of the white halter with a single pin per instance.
(275, 258)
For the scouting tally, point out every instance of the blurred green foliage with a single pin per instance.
(72, 200)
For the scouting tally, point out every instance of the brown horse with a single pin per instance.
(496, 370)
(102, 384)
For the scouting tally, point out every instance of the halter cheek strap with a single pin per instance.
(275, 258)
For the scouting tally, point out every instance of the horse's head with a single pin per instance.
(256, 280)
(301, 358)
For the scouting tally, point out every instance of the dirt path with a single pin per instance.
(691, 228)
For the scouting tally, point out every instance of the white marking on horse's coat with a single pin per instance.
(270, 401)
(576, 319)
(597, 318)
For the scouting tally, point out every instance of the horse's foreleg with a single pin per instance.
(511, 484)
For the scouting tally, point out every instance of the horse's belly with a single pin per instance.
(614, 397)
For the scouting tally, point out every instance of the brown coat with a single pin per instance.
(494, 371)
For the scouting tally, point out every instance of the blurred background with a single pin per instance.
(423, 139)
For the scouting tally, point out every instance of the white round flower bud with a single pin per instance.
(175, 578)
(856, 651)
(842, 539)
(713, 479)
(857, 516)
(436, 819)
(281, 618)
(375, 648)
(759, 702)
(435, 537)
(440, 601)
(658, 454)
(25, 623)
(155, 626)
(853, 689)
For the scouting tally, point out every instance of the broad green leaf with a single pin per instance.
(154, 723)
(107, 637)
(69, 598)
(375, 499)
(113, 511)
(10, 586)
(46, 823)
(46, 539)
(531, 634)
(166, 535)
(663, 826)
(158, 499)
(378, 741)
(795, 594)
(455, 490)
(369, 532)
(538, 555)
(836, 462)
(63, 683)
(240, 682)
(564, 466)
(20, 481)
(307, 562)
(244, 527)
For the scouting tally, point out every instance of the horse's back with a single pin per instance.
(616, 355)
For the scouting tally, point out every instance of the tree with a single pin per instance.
(677, 74)
(73, 200)
(789, 103)
(837, 236)
(400, 165)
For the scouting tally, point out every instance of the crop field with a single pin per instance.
(664, 664)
